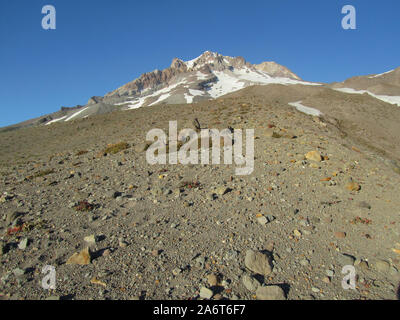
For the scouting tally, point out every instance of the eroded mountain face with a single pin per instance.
(276, 70)
(208, 76)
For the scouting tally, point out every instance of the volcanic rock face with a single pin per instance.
(208, 76)
(151, 80)
(276, 70)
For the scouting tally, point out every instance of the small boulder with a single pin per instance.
(270, 293)
(206, 293)
(212, 280)
(258, 262)
(353, 186)
(80, 258)
(23, 244)
(313, 156)
(382, 266)
(250, 283)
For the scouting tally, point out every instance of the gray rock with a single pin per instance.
(92, 239)
(262, 220)
(270, 293)
(250, 283)
(71, 204)
(176, 271)
(346, 259)
(23, 244)
(18, 272)
(258, 262)
(122, 243)
(231, 255)
(206, 293)
(200, 261)
(330, 273)
(364, 266)
(212, 279)
(270, 217)
(382, 266)
(304, 262)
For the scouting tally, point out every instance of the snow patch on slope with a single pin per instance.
(162, 94)
(55, 120)
(161, 98)
(306, 110)
(192, 93)
(201, 76)
(231, 81)
(381, 74)
(76, 114)
(226, 83)
(388, 99)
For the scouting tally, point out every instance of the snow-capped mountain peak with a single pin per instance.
(206, 77)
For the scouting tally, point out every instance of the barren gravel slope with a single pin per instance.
(162, 231)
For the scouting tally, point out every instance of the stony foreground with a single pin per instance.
(81, 197)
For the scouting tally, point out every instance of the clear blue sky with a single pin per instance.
(100, 45)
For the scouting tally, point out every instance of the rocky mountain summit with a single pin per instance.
(202, 68)
(208, 76)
